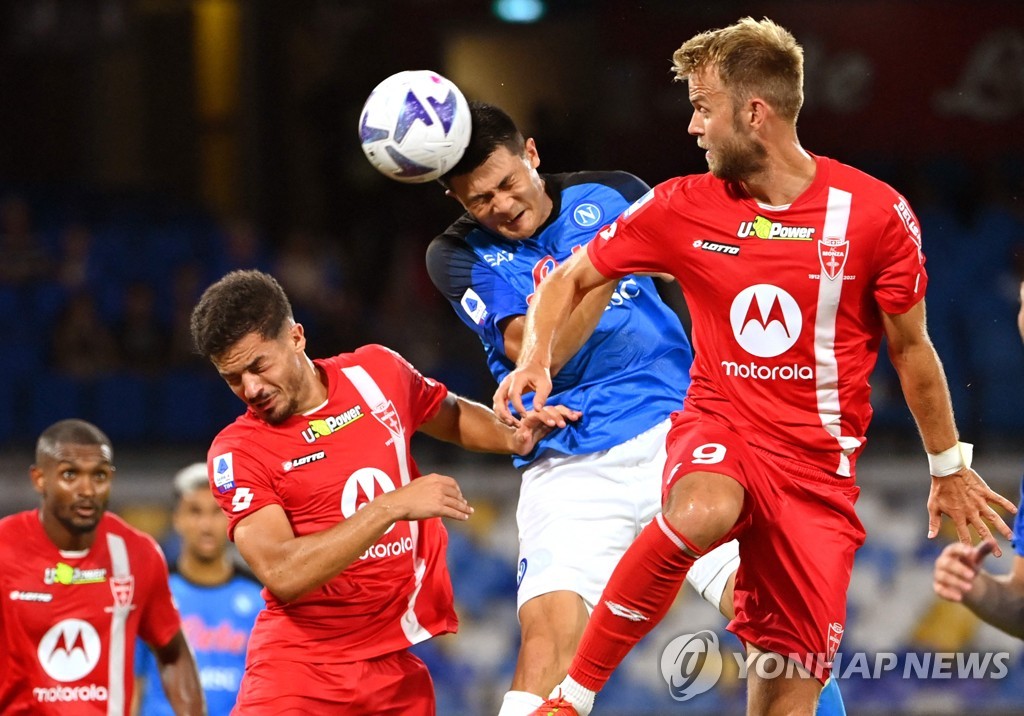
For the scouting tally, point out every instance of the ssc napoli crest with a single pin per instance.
(587, 215)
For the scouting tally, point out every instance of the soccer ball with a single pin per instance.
(415, 126)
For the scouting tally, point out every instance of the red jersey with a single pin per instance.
(321, 467)
(786, 301)
(68, 620)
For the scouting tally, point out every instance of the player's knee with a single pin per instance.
(704, 516)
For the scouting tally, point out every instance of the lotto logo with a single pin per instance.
(241, 500)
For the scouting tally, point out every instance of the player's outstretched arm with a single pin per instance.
(291, 566)
(998, 600)
(554, 302)
(475, 427)
(180, 677)
(956, 490)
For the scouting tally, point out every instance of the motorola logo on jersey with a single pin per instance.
(766, 320)
(362, 487)
(586, 215)
(69, 650)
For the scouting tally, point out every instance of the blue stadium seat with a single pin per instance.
(123, 405)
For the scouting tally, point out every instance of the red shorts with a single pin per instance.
(798, 532)
(395, 684)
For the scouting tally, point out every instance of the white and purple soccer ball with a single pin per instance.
(415, 126)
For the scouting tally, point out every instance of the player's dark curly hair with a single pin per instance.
(241, 303)
(492, 128)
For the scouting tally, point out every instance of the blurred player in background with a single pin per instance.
(218, 603)
(998, 600)
(328, 508)
(588, 490)
(793, 267)
(78, 585)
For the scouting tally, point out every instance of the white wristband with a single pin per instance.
(950, 461)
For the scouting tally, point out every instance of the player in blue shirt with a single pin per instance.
(998, 600)
(624, 362)
(218, 604)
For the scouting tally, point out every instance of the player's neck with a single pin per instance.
(64, 539)
(787, 174)
(206, 573)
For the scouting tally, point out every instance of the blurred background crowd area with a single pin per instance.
(149, 146)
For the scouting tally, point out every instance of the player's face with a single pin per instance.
(505, 193)
(733, 152)
(75, 486)
(202, 526)
(272, 376)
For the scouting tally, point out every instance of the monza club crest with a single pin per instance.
(832, 254)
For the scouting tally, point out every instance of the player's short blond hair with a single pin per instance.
(754, 58)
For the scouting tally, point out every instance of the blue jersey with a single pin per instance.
(217, 622)
(635, 368)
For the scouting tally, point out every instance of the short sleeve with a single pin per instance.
(424, 395)
(630, 243)
(481, 298)
(239, 482)
(901, 279)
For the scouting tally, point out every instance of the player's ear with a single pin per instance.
(530, 149)
(297, 337)
(38, 479)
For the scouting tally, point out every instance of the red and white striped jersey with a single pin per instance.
(786, 302)
(321, 467)
(68, 620)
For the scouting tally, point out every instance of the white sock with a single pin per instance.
(519, 703)
(578, 695)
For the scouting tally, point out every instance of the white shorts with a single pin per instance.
(577, 514)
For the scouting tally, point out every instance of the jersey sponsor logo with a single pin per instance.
(608, 232)
(68, 575)
(637, 205)
(587, 214)
(499, 257)
(70, 694)
(322, 427)
(909, 220)
(474, 306)
(289, 465)
(625, 612)
(69, 650)
(762, 228)
(361, 487)
(241, 500)
(765, 372)
(222, 637)
(716, 247)
(19, 596)
(224, 473)
(388, 549)
(832, 254)
(766, 320)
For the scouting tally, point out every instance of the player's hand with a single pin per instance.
(538, 423)
(967, 500)
(957, 568)
(523, 379)
(431, 495)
